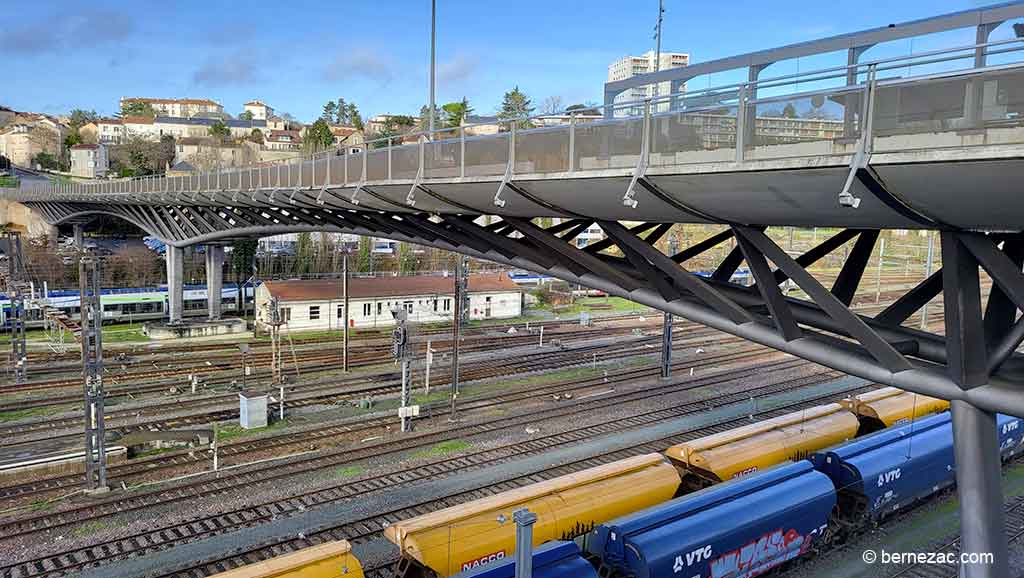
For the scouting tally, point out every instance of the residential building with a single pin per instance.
(6, 116)
(283, 140)
(481, 125)
(178, 127)
(109, 131)
(348, 136)
(380, 122)
(177, 107)
(207, 153)
(31, 134)
(319, 304)
(259, 109)
(587, 115)
(630, 66)
(89, 161)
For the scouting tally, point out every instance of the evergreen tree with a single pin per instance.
(342, 109)
(318, 137)
(516, 105)
(354, 120)
(456, 112)
(363, 256)
(328, 113)
(304, 253)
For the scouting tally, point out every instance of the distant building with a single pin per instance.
(208, 153)
(177, 107)
(318, 304)
(6, 115)
(89, 161)
(348, 136)
(108, 131)
(180, 169)
(630, 66)
(30, 134)
(380, 122)
(259, 109)
(283, 140)
(178, 127)
(587, 115)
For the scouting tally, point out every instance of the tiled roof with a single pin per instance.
(363, 287)
(173, 101)
(138, 120)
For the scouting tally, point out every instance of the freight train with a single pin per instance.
(125, 304)
(733, 504)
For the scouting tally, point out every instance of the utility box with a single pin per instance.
(252, 410)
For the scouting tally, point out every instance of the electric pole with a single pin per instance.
(461, 309)
(344, 296)
(433, 54)
(657, 42)
(666, 327)
(92, 371)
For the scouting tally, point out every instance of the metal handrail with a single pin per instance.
(138, 187)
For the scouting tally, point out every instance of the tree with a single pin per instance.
(243, 256)
(304, 253)
(73, 138)
(328, 114)
(354, 120)
(407, 260)
(789, 111)
(424, 122)
(256, 136)
(219, 130)
(516, 105)
(552, 104)
(318, 136)
(456, 112)
(246, 115)
(342, 112)
(79, 118)
(363, 255)
(137, 108)
(46, 161)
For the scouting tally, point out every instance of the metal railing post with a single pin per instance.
(741, 123)
(348, 151)
(572, 142)
(462, 151)
(870, 88)
(364, 163)
(512, 148)
(390, 146)
(423, 160)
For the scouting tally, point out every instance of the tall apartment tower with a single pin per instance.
(630, 66)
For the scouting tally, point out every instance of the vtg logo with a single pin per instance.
(1009, 427)
(692, 558)
(888, 477)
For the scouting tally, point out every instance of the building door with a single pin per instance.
(487, 307)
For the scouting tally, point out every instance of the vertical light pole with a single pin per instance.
(461, 272)
(657, 44)
(433, 54)
(928, 273)
(666, 328)
(344, 296)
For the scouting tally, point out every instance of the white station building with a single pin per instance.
(318, 304)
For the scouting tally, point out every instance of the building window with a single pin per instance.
(447, 304)
(435, 305)
(366, 309)
(341, 311)
(314, 312)
(379, 307)
(286, 314)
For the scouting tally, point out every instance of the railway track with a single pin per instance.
(1013, 511)
(300, 396)
(162, 538)
(230, 452)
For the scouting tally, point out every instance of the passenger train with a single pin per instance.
(123, 305)
(734, 504)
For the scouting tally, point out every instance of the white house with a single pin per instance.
(259, 109)
(89, 160)
(318, 304)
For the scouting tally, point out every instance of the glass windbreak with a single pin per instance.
(442, 156)
(486, 155)
(405, 161)
(377, 164)
(705, 136)
(804, 125)
(608, 144)
(542, 150)
(973, 109)
(353, 167)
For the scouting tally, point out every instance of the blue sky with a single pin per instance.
(64, 54)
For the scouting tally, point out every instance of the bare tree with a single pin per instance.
(551, 105)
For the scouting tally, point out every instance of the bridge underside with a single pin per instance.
(973, 362)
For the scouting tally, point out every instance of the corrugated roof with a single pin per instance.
(363, 287)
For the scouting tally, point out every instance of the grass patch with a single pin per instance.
(19, 414)
(10, 182)
(90, 528)
(41, 505)
(153, 452)
(349, 471)
(229, 432)
(444, 448)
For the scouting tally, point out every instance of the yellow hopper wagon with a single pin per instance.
(891, 406)
(462, 537)
(744, 450)
(328, 560)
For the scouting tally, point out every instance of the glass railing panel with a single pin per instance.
(377, 164)
(405, 161)
(442, 157)
(354, 166)
(608, 144)
(487, 155)
(804, 125)
(706, 136)
(966, 110)
(542, 150)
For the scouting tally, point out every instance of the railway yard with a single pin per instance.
(534, 409)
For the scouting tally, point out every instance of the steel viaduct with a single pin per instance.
(872, 146)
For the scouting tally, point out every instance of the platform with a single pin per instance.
(193, 328)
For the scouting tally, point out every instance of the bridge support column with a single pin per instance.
(975, 439)
(214, 280)
(175, 284)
